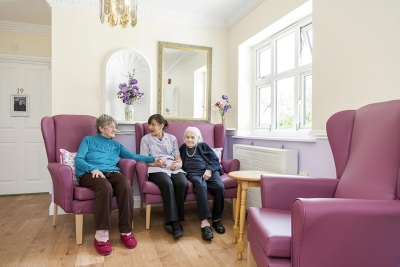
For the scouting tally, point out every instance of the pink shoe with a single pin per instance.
(102, 248)
(129, 240)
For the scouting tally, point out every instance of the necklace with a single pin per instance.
(187, 152)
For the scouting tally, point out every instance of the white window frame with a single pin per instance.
(299, 72)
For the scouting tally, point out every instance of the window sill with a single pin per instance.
(306, 139)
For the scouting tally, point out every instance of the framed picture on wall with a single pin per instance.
(19, 105)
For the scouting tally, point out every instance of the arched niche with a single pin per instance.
(117, 67)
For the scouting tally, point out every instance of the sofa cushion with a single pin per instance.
(68, 158)
(272, 229)
(83, 193)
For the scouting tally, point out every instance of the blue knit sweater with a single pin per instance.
(103, 154)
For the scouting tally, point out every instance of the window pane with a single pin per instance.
(264, 59)
(285, 103)
(264, 107)
(306, 47)
(285, 50)
(308, 99)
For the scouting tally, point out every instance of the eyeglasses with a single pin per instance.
(113, 127)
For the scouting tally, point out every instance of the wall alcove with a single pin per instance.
(117, 67)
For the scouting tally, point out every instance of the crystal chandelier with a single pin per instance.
(122, 12)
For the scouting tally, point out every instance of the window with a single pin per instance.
(283, 80)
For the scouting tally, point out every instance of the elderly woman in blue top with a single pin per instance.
(202, 168)
(170, 179)
(96, 168)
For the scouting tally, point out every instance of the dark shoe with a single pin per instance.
(206, 233)
(219, 228)
(102, 248)
(168, 228)
(177, 230)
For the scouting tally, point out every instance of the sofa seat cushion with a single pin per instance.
(272, 229)
(152, 188)
(83, 193)
(228, 181)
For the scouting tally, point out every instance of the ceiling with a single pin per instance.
(220, 13)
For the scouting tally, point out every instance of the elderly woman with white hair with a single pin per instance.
(202, 168)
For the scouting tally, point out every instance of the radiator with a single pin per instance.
(283, 161)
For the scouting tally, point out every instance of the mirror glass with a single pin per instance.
(184, 82)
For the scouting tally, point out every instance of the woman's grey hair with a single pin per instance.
(196, 131)
(104, 120)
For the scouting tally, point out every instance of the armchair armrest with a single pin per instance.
(141, 171)
(230, 165)
(345, 232)
(128, 168)
(63, 185)
(279, 192)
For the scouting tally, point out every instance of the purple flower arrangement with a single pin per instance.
(129, 93)
(223, 107)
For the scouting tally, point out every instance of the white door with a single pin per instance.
(23, 162)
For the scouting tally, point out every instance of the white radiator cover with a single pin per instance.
(283, 161)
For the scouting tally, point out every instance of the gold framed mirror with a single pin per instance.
(184, 82)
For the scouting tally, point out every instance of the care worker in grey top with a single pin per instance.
(170, 178)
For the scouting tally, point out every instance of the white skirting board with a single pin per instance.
(283, 161)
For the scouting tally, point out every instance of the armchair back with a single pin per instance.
(67, 132)
(213, 134)
(367, 155)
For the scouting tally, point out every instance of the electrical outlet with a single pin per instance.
(14, 47)
(303, 173)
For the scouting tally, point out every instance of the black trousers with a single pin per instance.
(173, 192)
(216, 188)
(115, 184)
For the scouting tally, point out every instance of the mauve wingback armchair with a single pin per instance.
(67, 132)
(213, 135)
(351, 221)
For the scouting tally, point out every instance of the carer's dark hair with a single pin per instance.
(158, 118)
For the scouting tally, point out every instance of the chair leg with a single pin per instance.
(55, 213)
(79, 228)
(233, 200)
(148, 210)
(250, 259)
(141, 205)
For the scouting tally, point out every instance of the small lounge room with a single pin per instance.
(290, 110)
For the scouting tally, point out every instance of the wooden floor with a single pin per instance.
(27, 238)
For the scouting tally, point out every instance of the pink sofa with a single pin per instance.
(351, 221)
(213, 135)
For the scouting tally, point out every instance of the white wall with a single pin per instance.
(81, 46)
(29, 44)
(356, 55)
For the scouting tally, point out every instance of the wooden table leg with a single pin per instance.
(240, 243)
(237, 213)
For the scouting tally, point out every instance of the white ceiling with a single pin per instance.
(211, 13)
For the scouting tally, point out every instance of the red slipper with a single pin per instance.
(129, 240)
(102, 248)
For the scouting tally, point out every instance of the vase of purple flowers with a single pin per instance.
(129, 93)
(223, 107)
(129, 112)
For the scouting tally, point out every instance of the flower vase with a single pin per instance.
(223, 118)
(129, 112)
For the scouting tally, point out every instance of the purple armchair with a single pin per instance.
(67, 132)
(350, 221)
(213, 135)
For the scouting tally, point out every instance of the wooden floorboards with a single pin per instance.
(27, 238)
